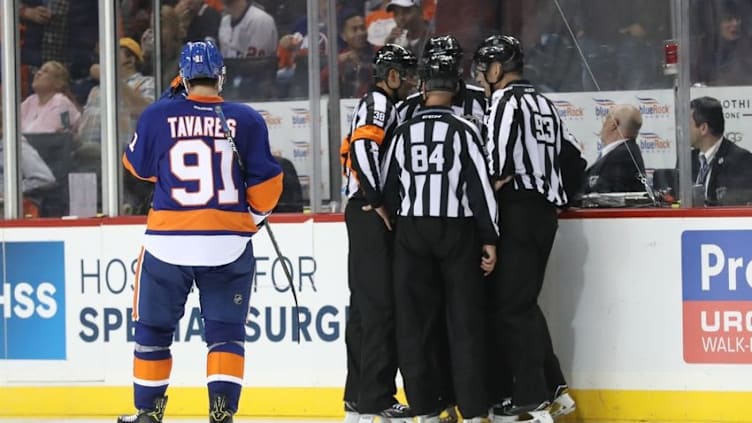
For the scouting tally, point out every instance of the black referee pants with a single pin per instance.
(519, 333)
(435, 259)
(502, 378)
(370, 332)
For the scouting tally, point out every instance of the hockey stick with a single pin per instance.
(241, 165)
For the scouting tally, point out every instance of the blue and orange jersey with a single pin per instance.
(199, 190)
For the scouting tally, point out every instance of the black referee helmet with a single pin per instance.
(440, 67)
(393, 56)
(443, 45)
(504, 49)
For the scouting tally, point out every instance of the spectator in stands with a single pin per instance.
(355, 60)
(137, 92)
(299, 29)
(285, 13)
(247, 30)
(639, 50)
(35, 174)
(60, 30)
(721, 170)
(636, 34)
(55, 34)
(411, 30)
(51, 108)
(136, 17)
(619, 167)
(82, 87)
(172, 40)
(200, 22)
(556, 50)
(723, 57)
(380, 22)
(83, 35)
(296, 43)
(34, 17)
(292, 51)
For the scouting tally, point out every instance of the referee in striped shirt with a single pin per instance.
(370, 330)
(437, 183)
(469, 101)
(532, 159)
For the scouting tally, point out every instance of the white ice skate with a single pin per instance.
(562, 404)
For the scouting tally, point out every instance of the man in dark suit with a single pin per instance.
(619, 167)
(721, 170)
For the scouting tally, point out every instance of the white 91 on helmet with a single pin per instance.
(202, 60)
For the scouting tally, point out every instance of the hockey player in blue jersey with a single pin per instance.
(206, 209)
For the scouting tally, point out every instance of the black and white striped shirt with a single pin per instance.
(435, 167)
(362, 150)
(525, 140)
(470, 101)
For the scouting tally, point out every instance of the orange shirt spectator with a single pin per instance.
(380, 22)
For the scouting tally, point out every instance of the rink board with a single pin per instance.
(645, 310)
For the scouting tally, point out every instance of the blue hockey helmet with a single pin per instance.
(201, 60)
